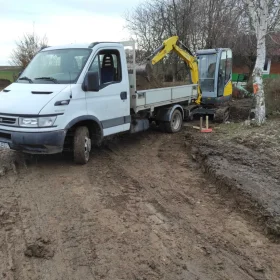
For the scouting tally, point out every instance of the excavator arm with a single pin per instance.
(171, 44)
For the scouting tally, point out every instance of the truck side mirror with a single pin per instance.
(91, 82)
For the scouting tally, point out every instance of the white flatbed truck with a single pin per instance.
(71, 97)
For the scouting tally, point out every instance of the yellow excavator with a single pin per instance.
(211, 71)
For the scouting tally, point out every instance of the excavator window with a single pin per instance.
(207, 68)
(211, 70)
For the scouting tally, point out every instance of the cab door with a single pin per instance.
(110, 104)
(225, 74)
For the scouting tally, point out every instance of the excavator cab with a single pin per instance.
(215, 71)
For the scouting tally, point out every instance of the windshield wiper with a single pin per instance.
(48, 79)
(26, 79)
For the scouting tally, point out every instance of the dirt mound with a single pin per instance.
(145, 78)
(244, 163)
(143, 82)
(11, 161)
(240, 109)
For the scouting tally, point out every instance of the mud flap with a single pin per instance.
(138, 125)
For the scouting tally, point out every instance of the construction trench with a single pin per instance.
(147, 206)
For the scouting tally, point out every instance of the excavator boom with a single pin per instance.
(171, 44)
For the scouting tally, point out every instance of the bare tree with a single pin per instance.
(154, 21)
(202, 24)
(264, 16)
(26, 48)
(198, 23)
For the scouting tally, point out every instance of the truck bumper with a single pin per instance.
(34, 142)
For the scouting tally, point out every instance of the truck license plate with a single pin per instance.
(4, 145)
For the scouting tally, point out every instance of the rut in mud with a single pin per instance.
(244, 163)
(141, 209)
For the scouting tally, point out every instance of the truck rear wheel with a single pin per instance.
(175, 123)
(82, 145)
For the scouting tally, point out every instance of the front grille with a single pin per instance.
(9, 121)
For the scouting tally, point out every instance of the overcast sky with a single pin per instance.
(62, 21)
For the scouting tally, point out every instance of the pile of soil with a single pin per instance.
(144, 82)
(240, 109)
(244, 162)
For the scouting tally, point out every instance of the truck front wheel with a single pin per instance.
(175, 123)
(82, 145)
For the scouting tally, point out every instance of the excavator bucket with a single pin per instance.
(145, 78)
(144, 70)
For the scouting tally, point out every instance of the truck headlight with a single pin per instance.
(46, 121)
(37, 122)
(28, 122)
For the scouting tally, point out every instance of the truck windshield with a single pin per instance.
(61, 66)
(207, 68)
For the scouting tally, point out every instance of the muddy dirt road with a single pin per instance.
(141, 209)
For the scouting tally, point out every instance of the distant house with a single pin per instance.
(271, 67)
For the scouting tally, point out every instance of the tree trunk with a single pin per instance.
(259, 15)
(258, 82)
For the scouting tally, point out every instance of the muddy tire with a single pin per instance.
(175, 123)
(82, 145)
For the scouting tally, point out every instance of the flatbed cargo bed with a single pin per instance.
(151, 98)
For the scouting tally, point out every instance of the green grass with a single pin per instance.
(8, 74)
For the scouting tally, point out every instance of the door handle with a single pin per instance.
(123, 95)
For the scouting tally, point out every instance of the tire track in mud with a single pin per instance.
(31, 226)
(11, 221)
(242, 263)
(123, 194)
(143, 217)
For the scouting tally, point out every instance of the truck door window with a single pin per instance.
(108, 65)
(95, 65)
